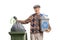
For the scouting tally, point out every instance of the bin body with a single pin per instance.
(18, 36)
(44, 24)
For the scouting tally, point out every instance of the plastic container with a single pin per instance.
(44, 22)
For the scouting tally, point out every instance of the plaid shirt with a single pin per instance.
(35, 24)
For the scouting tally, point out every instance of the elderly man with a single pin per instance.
(35, 29)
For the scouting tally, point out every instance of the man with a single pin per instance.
(35, 29)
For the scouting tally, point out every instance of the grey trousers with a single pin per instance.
(36, 36)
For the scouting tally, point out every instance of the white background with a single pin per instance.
(22, 9)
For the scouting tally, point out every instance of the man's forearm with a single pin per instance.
(21, 21)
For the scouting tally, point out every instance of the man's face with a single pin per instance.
(37, 10)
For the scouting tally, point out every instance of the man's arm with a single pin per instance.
(25, 21)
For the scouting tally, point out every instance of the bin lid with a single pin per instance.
(44, 17)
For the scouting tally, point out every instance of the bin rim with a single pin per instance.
(17, 33)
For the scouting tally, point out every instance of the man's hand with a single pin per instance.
(48, 30)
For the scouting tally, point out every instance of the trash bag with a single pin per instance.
(17, 27)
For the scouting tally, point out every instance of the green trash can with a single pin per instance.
(18, 35)
(18, 31)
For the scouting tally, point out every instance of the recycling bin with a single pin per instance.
(18, 35)
(44, 23)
